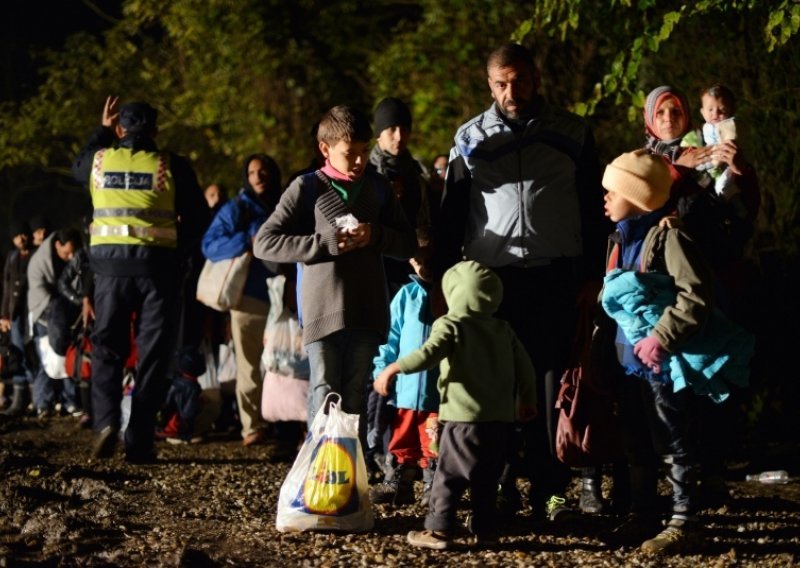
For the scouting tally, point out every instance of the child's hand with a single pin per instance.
(355, 238)
(650, 352)
(384, 380)
(526, 413)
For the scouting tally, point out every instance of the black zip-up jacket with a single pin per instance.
(15, 285)
(76, 280)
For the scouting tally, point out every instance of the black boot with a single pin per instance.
(19, 400)
(591, 500)
(427, 482)
(399, 489)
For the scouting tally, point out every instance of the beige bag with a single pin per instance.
(221, 283)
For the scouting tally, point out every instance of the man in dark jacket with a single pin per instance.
(14, 309)
(523, 197)
(149, 214)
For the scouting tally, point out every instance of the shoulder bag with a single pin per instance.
(588, 430)
(221, 283)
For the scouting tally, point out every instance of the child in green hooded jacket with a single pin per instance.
(486, 383)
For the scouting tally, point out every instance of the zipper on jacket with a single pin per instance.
(423, 375)
(520, 202)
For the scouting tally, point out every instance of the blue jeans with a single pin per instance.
(46, 391)
(18, 341)
(342, 363)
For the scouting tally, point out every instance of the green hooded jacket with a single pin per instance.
(484, 368)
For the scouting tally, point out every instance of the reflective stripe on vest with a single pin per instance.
(133, 194)
(129, 230)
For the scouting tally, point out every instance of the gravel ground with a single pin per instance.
(213, 504)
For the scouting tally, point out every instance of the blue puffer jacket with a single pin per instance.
(411, 321)
(717, 354)
(231, 234)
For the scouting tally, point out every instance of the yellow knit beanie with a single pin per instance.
(639, 177)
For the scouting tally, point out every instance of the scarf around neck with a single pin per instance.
(393, 166)
(669, 148)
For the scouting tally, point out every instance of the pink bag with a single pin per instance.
(284, 398)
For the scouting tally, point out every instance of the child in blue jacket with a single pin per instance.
(415, 426)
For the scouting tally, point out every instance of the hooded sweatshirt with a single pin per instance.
(484, 368)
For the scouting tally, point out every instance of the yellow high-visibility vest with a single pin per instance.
(133, 195)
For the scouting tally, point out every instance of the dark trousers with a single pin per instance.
(539, 303)
(471, 456)
(656, 423)
(152, 299)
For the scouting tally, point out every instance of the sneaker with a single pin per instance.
(435, 540)
(74, 411)
(105, 443)
(171, 429)
(632, 531)
(44, 413)
(677, 537)
(176, 441)
(257, 438)
(556, 509)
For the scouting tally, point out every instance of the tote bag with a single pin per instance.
(221, 283)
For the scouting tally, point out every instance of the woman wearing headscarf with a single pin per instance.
(230, 235)
(667, 120)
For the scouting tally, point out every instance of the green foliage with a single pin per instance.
(437, 65)
(783, 24)
(230, 78)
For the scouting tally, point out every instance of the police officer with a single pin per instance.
(149, 215)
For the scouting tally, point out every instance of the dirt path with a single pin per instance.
(213, 504)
